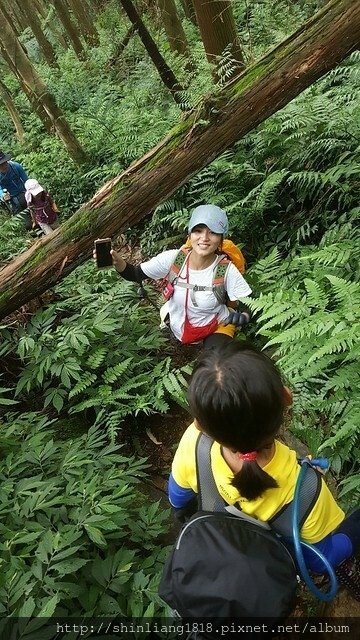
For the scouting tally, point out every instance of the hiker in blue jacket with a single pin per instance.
(12, 182)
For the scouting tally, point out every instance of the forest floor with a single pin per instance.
(158, 441)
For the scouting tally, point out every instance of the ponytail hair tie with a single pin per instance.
(248, 457)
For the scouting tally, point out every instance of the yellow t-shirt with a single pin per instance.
(325, 516)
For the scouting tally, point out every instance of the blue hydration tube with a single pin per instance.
(298, 543)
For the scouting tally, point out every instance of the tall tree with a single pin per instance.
(70, 30)
(16, 7)
(37, 107)
(31, 78)
(81, 11)
(40, 8)
(12, 110)
(173, 27)
(218, 31)
(12, 16)
(244, 103)
(51, 23)
(189, 11)
(163, 69)
(35, 26)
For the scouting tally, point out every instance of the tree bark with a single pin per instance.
(163, 69)
(36, 106)
(18, 12)
(201, 136)
(12, 16)
(189, 11)
(173, 27)
(12, 110)
(86, 26)
(40, 8)
(70, 30)
(218, 31)
(51, 22)
(35, 25)
(30, 77)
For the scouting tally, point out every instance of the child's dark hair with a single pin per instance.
(236, 395)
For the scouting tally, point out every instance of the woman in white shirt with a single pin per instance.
(194, 305)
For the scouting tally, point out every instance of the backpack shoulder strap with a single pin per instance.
(209, 496)
(309, 493)
(178, 263)
(218, 282)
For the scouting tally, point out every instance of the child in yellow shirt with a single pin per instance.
(237, 397)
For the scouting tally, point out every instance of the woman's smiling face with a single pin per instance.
(204, 242)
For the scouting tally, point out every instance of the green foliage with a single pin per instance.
(289, 178)
(12, 234)
(77, 536)
(308, 311)
(105, 357)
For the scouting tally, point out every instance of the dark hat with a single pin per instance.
(4, 157)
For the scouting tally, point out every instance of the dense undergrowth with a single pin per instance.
(77, 535)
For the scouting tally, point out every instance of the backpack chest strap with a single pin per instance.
(193, 288)
(218, 280)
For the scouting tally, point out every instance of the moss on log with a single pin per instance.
(200, 136)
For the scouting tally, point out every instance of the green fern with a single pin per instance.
(114, 373)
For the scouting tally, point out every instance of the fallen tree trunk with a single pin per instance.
(200, 137)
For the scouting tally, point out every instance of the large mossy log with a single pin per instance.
(201, 136)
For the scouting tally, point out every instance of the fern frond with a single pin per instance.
(97, 358)
(86, 381)
(114, 373)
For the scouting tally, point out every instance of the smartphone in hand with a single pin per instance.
(102, 253)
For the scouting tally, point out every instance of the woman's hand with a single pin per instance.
(118, 262)
(237, 318)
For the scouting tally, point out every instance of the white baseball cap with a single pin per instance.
(210, 215)
(33, 187)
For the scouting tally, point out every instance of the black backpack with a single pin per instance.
(226, 564)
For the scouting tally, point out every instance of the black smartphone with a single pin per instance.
(102, 252)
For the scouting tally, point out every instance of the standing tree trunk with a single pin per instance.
(70, 30)
(164, 71)
(189, 11)
(201, 136)
(218, 32)
(12, 16)
(16, 7)
(173, 27)
(31, 78)
(12, 110)
(86, 26)
(40, 8)
(35, 25)
(35, 105)
(50, 23)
